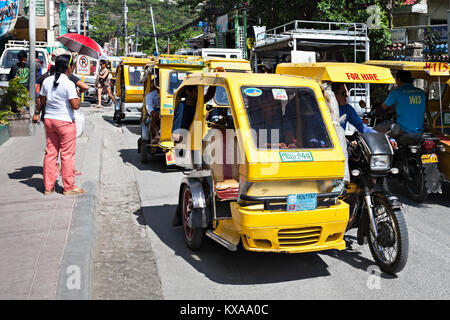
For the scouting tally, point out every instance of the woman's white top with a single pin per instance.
(58, 105)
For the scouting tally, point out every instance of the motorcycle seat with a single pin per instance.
(409, 138)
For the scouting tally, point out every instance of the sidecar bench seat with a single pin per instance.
(225, 174)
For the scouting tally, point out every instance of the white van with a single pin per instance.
(9, 58)
(219, 53)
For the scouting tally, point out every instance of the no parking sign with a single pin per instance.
(83, 65)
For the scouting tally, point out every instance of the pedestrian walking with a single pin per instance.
(103, 82)
(59, 95)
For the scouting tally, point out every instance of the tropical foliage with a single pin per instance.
(15, 97)
(107, 19)
(170, 14)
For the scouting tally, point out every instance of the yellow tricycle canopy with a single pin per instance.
(419, 70)
(178, 60)
(338, 72)
(136, 61)
(230, 65)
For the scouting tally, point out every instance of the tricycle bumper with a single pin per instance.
(291, 232)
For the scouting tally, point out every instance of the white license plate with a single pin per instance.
(301, 202)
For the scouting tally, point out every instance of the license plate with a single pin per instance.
(170, 159)
(301, 202)
(429, 158)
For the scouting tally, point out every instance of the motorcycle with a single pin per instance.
(374, 211)
(418, 164)
(415, 158)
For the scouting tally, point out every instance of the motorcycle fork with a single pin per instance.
(369, 205)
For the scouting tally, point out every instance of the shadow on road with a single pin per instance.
(25, 172)
(125, 122)
(434, 198)
(243, 267)
(156, 164)
(26, 176)
(225, 267)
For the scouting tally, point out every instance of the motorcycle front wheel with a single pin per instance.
(390, 248)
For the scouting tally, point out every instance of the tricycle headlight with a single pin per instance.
(3, 77)
(380, 162)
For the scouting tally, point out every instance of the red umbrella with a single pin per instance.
(81, 44)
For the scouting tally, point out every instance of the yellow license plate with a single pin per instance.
(429, 158)
(170, 159)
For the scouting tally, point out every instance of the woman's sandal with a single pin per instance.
(47, 192)
(74, 191)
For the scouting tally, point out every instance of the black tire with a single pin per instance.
(414, 179)
(392, 234)
(144, 153)
(106, 99)
(117, 118)
(193, 237)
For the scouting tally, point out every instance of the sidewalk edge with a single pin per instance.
(75, 277)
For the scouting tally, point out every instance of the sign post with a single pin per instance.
(83, 65)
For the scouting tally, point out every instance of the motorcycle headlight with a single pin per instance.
(3, 77)
(380, 162)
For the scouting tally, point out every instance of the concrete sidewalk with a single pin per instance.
(43, 237)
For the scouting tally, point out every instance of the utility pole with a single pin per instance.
(117, 41)
(79, 18)
(125, 22)
(448, 30)
(84, 18)
(154, 30)
(32, 54)
(137, 38)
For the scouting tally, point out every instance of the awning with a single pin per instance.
(338, 72)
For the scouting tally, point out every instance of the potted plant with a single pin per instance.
(4, 128)
(16, 99)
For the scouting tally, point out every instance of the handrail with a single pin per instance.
(358, 28)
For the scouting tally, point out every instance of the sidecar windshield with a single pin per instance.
(285, 118)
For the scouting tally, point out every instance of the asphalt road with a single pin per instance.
(214, 273)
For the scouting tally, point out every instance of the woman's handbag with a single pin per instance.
(79, 121)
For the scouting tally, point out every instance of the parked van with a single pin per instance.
(9, 58)
(218, 53)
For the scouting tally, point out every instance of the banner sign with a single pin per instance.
(441, 31)
(8, 15)
(222, 23)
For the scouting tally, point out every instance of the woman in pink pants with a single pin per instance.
(60, 97)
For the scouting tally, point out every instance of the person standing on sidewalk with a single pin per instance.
(103, 83)
(60, 97)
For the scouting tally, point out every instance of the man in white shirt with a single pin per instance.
(153, 105)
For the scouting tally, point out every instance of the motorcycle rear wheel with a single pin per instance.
(390, 249)
(415, 180)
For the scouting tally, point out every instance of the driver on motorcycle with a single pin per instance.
(341, 93)
(409, 104)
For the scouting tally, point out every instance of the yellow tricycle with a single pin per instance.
(433, 147)
(161, 78)
(129, 88)
(268, 174)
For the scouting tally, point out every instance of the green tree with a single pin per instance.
(373, 13)
(107, 18)
(273, 13)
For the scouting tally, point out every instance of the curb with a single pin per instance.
(75, 277)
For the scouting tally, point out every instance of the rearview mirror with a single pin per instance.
(362, 104)
(394, 130)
